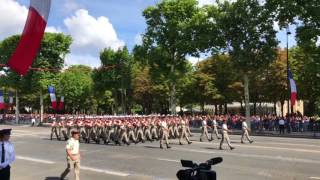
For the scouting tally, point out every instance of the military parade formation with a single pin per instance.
(120, 130)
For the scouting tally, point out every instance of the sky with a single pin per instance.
(94, 25)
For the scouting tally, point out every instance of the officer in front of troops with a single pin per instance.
(73, 155)
(245, 132)
(225, 135)
(7, 154)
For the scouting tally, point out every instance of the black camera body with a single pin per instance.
(198, 172)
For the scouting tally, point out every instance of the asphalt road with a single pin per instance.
(268, 158)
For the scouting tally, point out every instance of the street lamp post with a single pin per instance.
(288, 85)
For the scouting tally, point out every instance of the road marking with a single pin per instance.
(34, 160)
(266, 147)
(110, 172)
(314, 177)
(169, 160)
(251, 156)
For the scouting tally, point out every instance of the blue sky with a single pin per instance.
(113, 23)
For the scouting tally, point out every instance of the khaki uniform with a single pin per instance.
(183, 133)
(204, 129)
(225, 136)
(72, 145)
(245, 132)
(214, 129)
(54, 130)
(164, 134)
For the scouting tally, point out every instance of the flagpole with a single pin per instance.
(288, 81)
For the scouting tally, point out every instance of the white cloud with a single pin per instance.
(276, 26)
(52, 29)
(194, 60)
(206, 2)
(91, 34)
(138, 39)
(12, 19)
(87, 59)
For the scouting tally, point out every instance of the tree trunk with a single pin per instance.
(311, 108)
(255, 108)
(17, 107)
(173, 93)
(41, 107)
(275, 108)
(216, 109)
(225, 108)
(246, 99)
(220, 109)
(282, 103)
(202, 107)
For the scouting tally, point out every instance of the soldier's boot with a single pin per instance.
(168, 147)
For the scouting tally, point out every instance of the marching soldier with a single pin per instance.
(123, 137)
(164, 134)
(188, 127)
(154, 133)
(140, 136)
(245, 131)
(204, 128)
(225, 135)
(54, 129)
(131, 135)
(183, 133)
(214, 129)
(147, 133)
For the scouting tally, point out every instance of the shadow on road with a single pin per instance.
(52, 178)
(151, 147)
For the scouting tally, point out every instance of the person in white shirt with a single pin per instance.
(204, 128)
(7, 155)
(225, 136)
(281, 125)
(245, 132)
(73, 155)
(214, 129)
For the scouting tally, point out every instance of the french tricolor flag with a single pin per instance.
(61, 104)
(2, 104)
(52, 97)
(26, 51)
(293, 88)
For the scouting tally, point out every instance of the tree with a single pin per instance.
(171, 29)
(77, 86)
(251, 41)
(115, 75)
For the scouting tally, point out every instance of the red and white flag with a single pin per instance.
(2, 104)
(31, 38)
(52, 97)
(61, 104)
(293, 88)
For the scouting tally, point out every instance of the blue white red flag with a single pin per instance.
(2, 104)
(52, 97)
(293, 88)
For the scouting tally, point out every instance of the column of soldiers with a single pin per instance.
(121, 130)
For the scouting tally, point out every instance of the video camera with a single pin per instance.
(198, 172)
